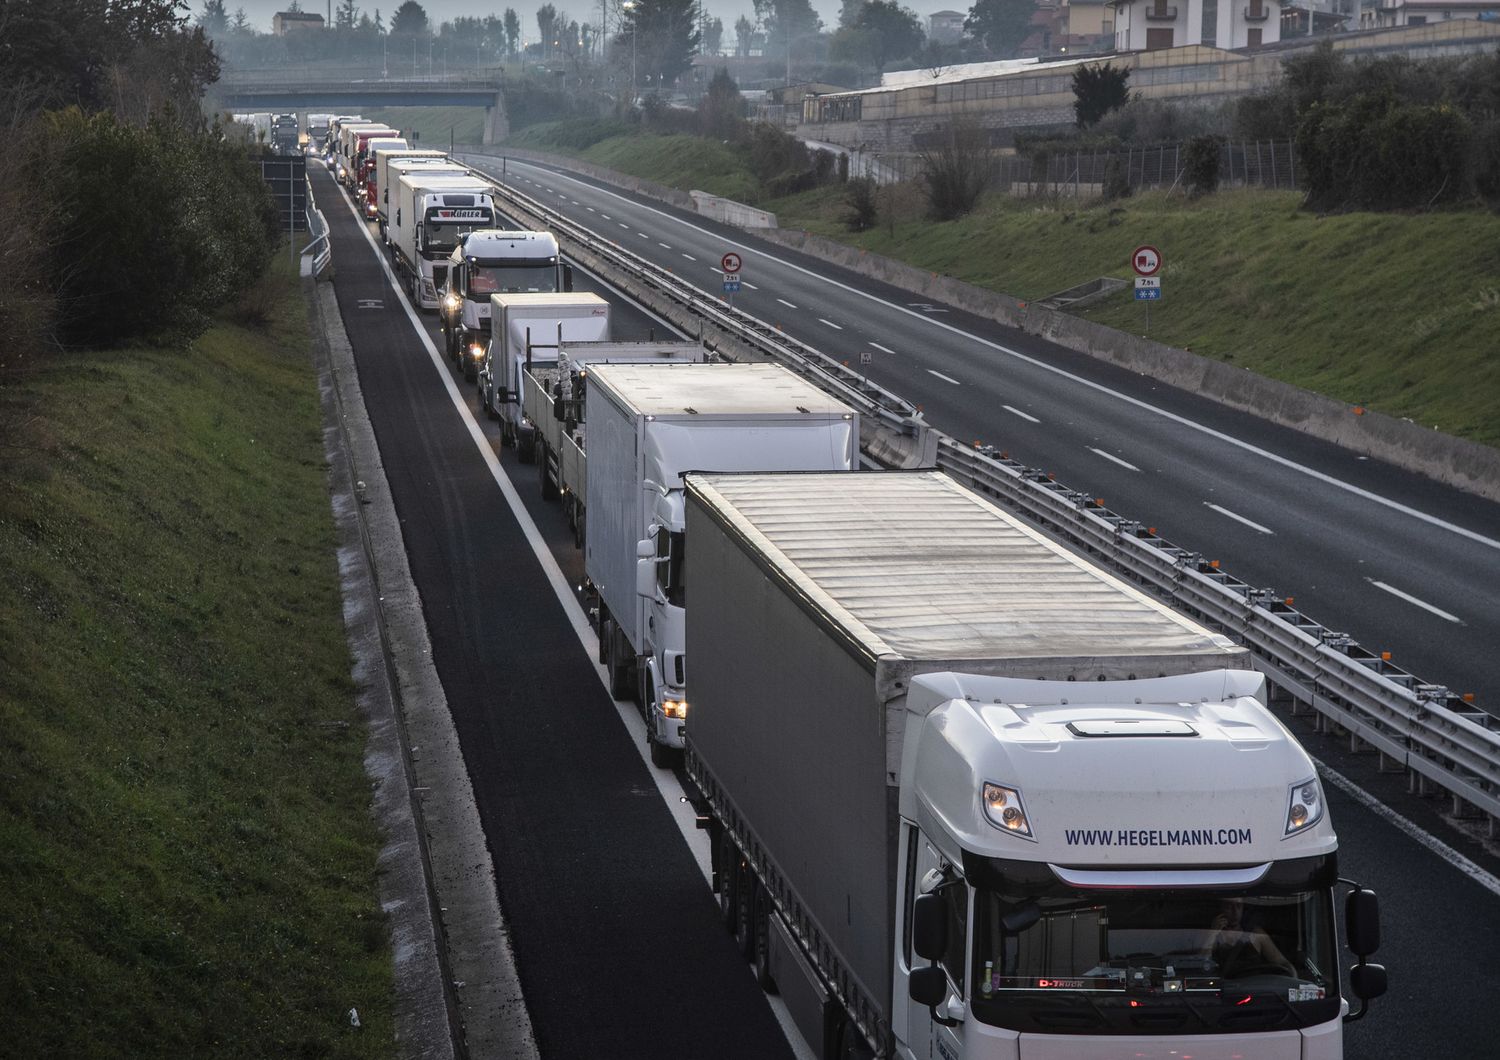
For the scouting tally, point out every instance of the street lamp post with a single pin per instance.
(635, 31)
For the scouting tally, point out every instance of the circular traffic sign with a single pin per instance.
(1146, 261)
(731, 262)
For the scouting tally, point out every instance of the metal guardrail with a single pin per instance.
(317, 224)
(1432, 733)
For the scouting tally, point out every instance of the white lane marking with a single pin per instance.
(671, 792)
(573, 201)
(746, 283)
(622, 224)
(1239, 443)
(1117, 460)
(643, 235)
(690, 257)
(664, 246)
(883, 349)
(1411, 829)
(944, 378)
(606, 216)
(1017, 412)
(1423, 604)
(830, 323)
(784, 302)
(1251, 523)
(590, 209)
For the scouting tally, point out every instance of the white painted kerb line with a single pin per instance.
(1252, 524)
(1017, 412)
(1423, 604)
(1114, 459)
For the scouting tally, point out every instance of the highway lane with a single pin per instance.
(1398, 561)
(1440, 930)
(617, 940)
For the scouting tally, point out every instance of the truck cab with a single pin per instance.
(1112, 868)
(433, 212)
(487, 262)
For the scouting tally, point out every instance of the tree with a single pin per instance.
(240, 24)
(722, 110)
(1001, 24)
(744, 36)
(346, 15)
(934, 57)
(956, 171)
(894, 31)
(214, 19)
(1097, 90)
(849, 12)
(659, 37)
(410, 20)
(546, 24)
(787, 22)
(713, 36)
(512, 31)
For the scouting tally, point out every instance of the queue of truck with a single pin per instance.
(967, 794)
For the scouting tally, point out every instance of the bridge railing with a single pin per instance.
(323, 75)
(1437, 736)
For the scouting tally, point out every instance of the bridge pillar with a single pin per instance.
(496, 121)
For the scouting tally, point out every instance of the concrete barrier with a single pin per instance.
(718, 208)
(649, 188)
(1457, 462)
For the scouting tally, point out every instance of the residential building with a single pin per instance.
(1383, 14)
(1152, 25)
(284, 22)
(946, 27)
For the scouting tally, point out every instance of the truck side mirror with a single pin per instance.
(1362, 922)
(1368, 981)
(928, 986)
(567, 277)
(645, 548)
(645, 578)
(929, 927)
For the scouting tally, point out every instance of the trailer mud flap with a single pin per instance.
(813, 1010)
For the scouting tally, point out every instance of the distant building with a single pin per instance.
(1389, 13)
(1154, 25)
(284, 22)
(946, 27)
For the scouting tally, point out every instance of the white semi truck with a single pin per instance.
(428, 215)
(350, 134)
(489, 262)
(527, 330)
(972, 797)
(648, 425)
(391, 163)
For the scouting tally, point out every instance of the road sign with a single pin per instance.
(731, 262)
(1146, 283)
(731, 284)
(866, 357)
(1148, 294)
(1146, 261)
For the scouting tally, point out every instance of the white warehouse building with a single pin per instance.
(1152, 25)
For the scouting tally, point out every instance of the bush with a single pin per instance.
(859, 197)
(955, 174)
(1116, 180)
(1200, 163)
(157, 227)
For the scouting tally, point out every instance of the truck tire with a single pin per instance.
(604, 634)
(526, 447)
(852, 1044)
(729, 878)
(550, 492)
(761, 928)
(747, 891)
(621, 680)
(662, 756)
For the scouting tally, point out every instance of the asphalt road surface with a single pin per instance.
(1401, 563)
(617, 941)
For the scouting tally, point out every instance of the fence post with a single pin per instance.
(1291, 161)
(1274, 183)
(1246, 149)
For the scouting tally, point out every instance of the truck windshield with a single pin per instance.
(1185, 959)
(443, 235)
(485, 280)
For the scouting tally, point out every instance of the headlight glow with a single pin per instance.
(476, 351)
(674, 708)
(1304, 806)
(1003, 807)
(451, 301)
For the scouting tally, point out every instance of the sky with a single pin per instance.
(260, 11)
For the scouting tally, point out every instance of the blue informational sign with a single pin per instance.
(731, 285)
(1148, 294)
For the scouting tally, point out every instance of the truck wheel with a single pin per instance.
(621, 680)
(744, 917)
(761, 926)
(550, 491)
(526, 447)
(580, 528)
(852, 1044)
(604, 634)
(729, 881)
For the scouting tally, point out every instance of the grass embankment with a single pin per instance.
(435, 126)
(190, 862)
(1395, 312)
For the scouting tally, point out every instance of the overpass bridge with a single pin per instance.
(304, 89)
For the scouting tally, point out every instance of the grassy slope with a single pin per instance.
(1396, 312)
(433, 124)
(189, 863)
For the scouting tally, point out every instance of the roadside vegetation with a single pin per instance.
(190, 859)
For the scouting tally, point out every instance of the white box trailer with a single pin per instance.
(648, 425)
(431, 213)
(972, 797)
(349, 134)
(365, 168)
(384, 171)
(527, 330)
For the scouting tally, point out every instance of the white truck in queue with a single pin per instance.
(365, 169)
(525, 330)
(335, 126)
(972, 797)
(390, 164)
(648, 425)
(349, 135)
(494, 261)
(429, 214)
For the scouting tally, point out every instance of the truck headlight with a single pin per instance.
(451, 302)
(476, 351)
(674, 708)
(1004, 809)
(1304, 807)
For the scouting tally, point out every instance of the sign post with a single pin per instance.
(1146, 260)
(731, 264)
